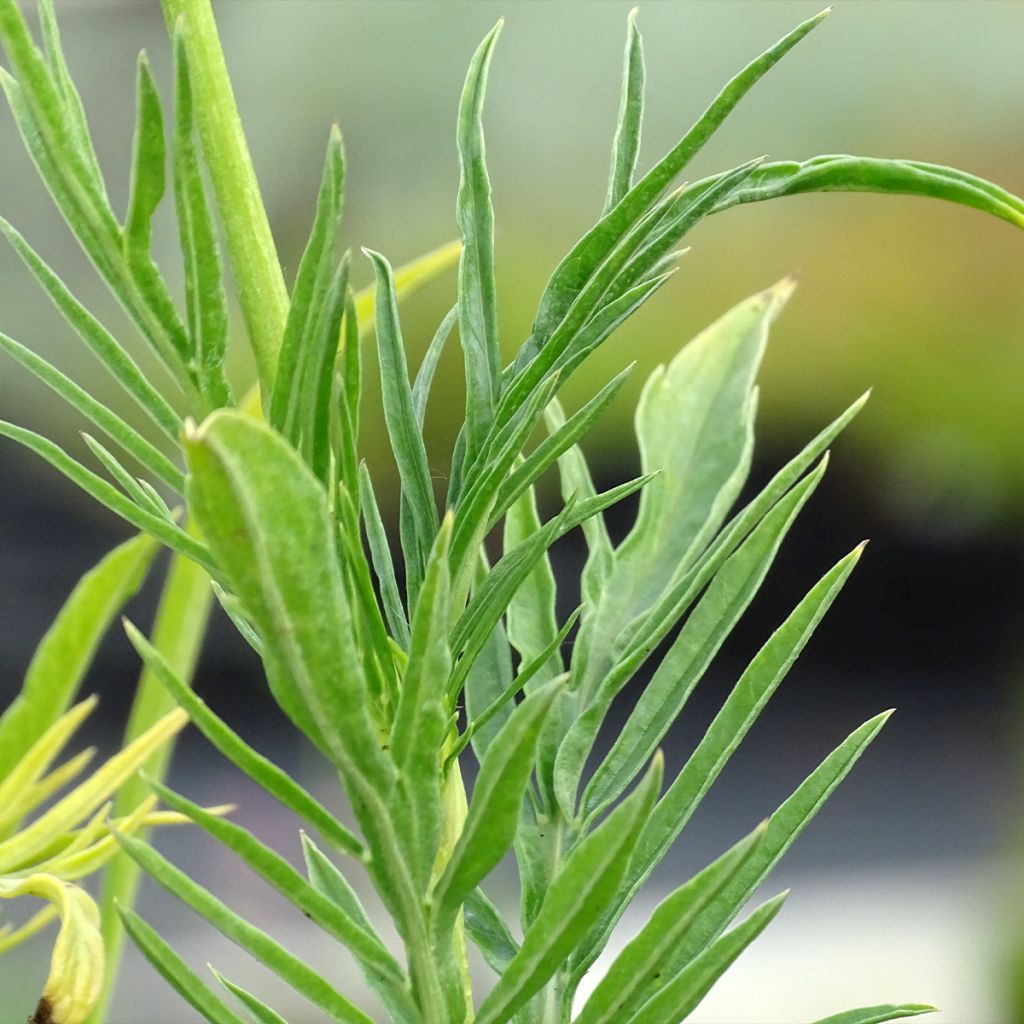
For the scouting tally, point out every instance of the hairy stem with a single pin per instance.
(178, 634)
(257, 272)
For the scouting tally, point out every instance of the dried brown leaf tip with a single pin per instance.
(43, 1014)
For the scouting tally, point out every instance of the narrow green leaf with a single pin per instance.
(693, 422)
(74, 112)
(421, 718)
(128, 483)
(383, 564)
(557, 443)
(495, 805)
(741, 709)
(96, 412)
(107, 495)
(487, 928)
(706, 629)
(149, 158)
(350, 386)
(258, 1010)
(637, 971)
(842, 173)
(100, 342)
(66, 651)
(428, 367)
(312, 283)
(263, 772)
(791, 818)
(175, 971)
(626, 146)
(590, 252)
(478, 327)
(530, 621)
(403, 429)
(489, 677)
(205, 301)
(587, 883)
(236, 613)
(878, 1014)
(681, 996)
(280, 875)
(253, 940)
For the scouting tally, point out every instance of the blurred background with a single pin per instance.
(910, 883)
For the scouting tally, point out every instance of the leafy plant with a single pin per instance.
(394, 670)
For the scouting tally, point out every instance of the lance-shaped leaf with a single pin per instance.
(495, 805)
(257, 1009)
(637, 971)
(96, 412)
(585, 886)
(174, 970)
(694, 423)
(489, 932)
(478, 325)
(591, 251)
(626, 147)
(419, 522)
(428, 367)
(681, 996)
(421, 718)
(843, 173)
(878, 1014)
(149, 500)
(67, 650)
(205, 301)
(741, 709)
(784, 826)
(706, 629)
(266, 519)
(263, 772)
(312, 283)
(253, 940)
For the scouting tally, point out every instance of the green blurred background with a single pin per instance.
(919, 300)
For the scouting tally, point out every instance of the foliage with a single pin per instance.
(395, 669)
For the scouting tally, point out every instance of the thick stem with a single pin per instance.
(262, 293)
(178, 634)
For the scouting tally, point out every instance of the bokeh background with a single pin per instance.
(909, 886)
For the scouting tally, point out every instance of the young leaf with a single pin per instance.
(878, 1014)
(587, 883)
(428, 367)
(403, 429)
(311, 286)
(258, 1010)
(638, 970)
(590, 252)
(680, 997)
(175, 971)
(626, 146)
(66, 651)
(478, 327)
(487, 928)
(494, 809)
(205, 301)
(263, 772)
(383, 564)
(253, 940)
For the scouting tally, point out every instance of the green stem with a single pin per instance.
(178, 634)
(262, 294)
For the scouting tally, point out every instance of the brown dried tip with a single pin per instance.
(43, 1014)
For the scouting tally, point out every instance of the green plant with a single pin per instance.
(394, 685)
